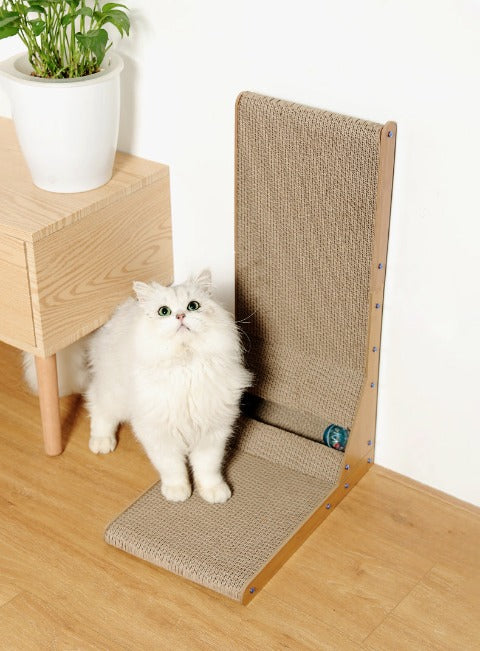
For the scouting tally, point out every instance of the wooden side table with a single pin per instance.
(67, 260)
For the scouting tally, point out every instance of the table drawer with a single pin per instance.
(16, 322)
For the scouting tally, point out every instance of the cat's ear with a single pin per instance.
(203, 280)
(143, 291)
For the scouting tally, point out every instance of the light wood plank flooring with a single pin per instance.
(396, 566)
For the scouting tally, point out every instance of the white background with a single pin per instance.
(413, 62)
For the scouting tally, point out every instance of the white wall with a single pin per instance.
(413, 62)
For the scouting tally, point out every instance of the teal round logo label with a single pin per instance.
(336, 437)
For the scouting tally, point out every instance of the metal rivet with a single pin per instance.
(252, 590)
(327, 506)
(372, 384)
(380, 266)
(347, 467)
(390, 134)
(369, 460)
(347, 485)
(377, 306)
(374, 349)
(370, 442)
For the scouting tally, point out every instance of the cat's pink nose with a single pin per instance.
(180, 315)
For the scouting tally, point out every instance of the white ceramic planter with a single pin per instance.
(67, 129)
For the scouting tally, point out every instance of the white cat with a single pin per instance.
(170, 363)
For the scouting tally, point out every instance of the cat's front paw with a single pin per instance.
(176, 492)
(217, 494)
(102, 444)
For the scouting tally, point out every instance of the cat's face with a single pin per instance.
(182, 311)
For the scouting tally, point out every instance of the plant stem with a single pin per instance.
(73, 63)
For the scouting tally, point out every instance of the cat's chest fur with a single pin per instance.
(185, 393)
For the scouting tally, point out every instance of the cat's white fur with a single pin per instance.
(177, 380)
(72, 369)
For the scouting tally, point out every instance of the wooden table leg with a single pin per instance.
(49, 404)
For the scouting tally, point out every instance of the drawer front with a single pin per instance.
(16, 322)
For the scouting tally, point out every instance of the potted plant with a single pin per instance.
(65, 91)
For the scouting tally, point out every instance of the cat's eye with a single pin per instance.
(193, 305)
(164, 311)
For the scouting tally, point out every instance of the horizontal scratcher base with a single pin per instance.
(223, 547)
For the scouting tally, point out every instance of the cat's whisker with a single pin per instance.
(244, 320)
(244, 349)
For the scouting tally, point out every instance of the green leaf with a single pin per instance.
(8, 14)
(37, 26)
(94, 41)
(73, 3)
(9, 29)
(67, 19)
(112, 5)
(85, 11)
(9, 24)
(117, 18)
(34, 6)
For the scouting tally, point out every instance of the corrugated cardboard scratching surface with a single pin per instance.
(222, 546)
(306, 198)
(306, 183)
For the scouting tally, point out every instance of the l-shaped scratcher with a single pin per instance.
(312, 204)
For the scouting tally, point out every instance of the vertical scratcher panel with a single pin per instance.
(305, 204)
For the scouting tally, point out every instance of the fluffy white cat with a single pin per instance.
(170, 363)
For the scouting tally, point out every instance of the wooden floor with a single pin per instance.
(395, 566)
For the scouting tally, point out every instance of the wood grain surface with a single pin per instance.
(396, 565)
(29, 213)
(15, 309)
(82, 272)
(47, 377)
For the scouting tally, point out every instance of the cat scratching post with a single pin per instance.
(313, 192)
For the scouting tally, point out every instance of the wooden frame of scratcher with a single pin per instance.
(312, 206)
